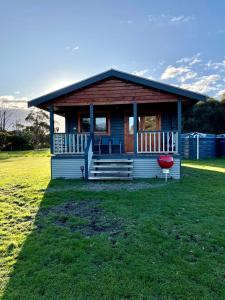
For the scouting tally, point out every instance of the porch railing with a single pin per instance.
(157, 142)
(69, 143)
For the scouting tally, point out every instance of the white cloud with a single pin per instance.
(72, 49)
(172, 72)
(169, 19)
(187, 76)
(162, 62)
(181, 18)
(7, 98)
(204, 84)
(150, 78)
(76, 48)
(129, 22)
(215, 65)
(220, 93)
(140, 72)
(190, 60)
(10, 101)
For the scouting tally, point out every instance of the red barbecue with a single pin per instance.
(165, 162)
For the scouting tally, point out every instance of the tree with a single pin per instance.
(4, 139)
(38, 128)
(223, 98)
(5, 116)
(207, 117)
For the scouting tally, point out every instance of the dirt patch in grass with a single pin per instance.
(86, 217)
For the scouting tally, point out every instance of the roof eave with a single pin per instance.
(121, 75)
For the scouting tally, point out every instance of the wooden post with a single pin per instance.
(179, 123)
(51, 111)
(135, 126)
(92, 122)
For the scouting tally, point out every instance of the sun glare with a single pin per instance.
(59, 85)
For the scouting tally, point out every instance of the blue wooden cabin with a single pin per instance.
(117, 124)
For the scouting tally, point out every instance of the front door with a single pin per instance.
(129, 133)
(147, 121)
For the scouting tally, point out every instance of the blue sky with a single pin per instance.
(48, 44)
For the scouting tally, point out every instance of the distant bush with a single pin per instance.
(16, 142)
(4, 139)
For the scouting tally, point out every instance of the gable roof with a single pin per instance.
(112, 73)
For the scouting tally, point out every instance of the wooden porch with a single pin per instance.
(147, 142)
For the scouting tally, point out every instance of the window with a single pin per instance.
(84, 124)
(147, 123)
(131, 125)
(101, 123)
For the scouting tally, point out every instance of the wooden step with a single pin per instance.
(109, 178)
(113, 166)
(111, 172)
(112, 160)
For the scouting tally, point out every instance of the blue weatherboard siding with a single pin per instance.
(168, 120)
(149, 168)
(117, 125)
(67, 167)
(70, 121)
(143, 168)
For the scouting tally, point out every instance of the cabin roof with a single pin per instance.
(112, 73)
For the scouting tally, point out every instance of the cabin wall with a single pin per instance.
(148, 167)
(67, 167)
(168, 119)
(116, 122)
(117, 126)
(143, 167)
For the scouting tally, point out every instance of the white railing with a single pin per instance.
(157, 142)
(69, 143)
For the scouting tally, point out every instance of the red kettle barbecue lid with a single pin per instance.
(165, 161)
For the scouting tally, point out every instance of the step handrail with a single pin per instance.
(88, 153)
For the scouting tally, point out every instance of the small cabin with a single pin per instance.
(116, 126)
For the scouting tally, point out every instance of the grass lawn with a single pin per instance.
(56, 242)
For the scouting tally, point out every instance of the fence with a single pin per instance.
(200, 145)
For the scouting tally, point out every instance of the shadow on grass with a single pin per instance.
(77, 250)
(71, 235)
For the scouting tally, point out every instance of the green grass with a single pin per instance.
(10, 154)
(160, 243)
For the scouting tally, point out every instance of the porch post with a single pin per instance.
(135, 126)
(51, 111)
(179, 123)
(92, 121)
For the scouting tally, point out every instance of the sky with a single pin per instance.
(48, 44)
